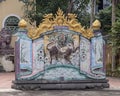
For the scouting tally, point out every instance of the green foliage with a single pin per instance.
(117, 12)
(29, 10)
(80, 8)
(49, 6)
(34, 11)
(84, 18)
(105, 18)
(115, 33)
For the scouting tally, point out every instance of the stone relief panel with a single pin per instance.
(84, 55)
(97, 57)
(38, 55)
(25, 57)
(61, 55)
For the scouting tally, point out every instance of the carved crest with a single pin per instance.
(50, 21)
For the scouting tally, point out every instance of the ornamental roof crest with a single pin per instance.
(59, 19)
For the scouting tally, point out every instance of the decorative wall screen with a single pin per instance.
(59, 54)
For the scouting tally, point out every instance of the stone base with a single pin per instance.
(59, 85)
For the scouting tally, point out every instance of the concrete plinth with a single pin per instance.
(59, 85)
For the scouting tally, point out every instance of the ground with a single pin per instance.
(61, 93)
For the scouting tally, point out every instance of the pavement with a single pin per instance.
(6, 90)
(61, 93)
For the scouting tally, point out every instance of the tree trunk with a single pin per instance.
(113, 21)
(92, 15)
(113, 59)
(113, 12)
(70, 7)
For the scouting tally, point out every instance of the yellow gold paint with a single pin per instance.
(60, 19)
(76, 39)
(22, 23)
(46, 42)
(96, 25)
